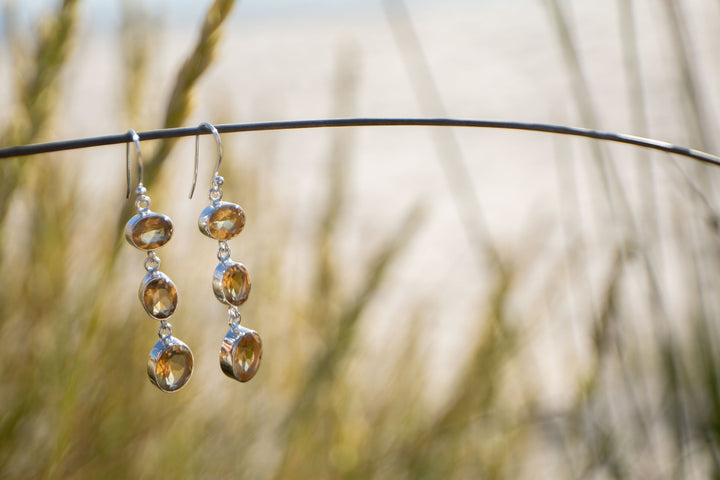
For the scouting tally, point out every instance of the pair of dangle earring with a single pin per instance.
(170, 363)
(241, 349)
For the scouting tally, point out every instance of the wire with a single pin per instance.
(38, 148)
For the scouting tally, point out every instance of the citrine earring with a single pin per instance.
(170, 363)
(241, 349)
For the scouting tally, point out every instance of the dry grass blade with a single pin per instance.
(696, 105)
(440, 443)
(180, 102)
(341, 152)
(37, 91)
(38, 94)
(586, 109)
(347, 321)
(637, 104)
(449, 155)
(307, 425)
(136, 40)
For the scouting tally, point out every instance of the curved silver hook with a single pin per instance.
(135, 138)
(215, 133)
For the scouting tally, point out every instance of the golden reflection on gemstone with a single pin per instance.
(158, 295)
(222, 222)
(241, 353)
(149, 231)
(236, 284)
(246, 356)
(173, 368)
(170, 364)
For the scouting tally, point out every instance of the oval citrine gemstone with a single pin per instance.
(222, 221)
(148, 231)
(158, 295)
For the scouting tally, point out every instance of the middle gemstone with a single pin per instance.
(231, 283)
(158, 295)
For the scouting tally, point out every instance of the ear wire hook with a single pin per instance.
(135, 138)
(215, 133)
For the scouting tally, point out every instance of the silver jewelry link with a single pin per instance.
(216, 192)
(152, 262)
(164, 331)
(142, 203)
(234, 318)
(223, 251)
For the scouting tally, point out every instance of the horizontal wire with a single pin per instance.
(38, 148)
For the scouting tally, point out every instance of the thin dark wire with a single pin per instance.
(23, 150)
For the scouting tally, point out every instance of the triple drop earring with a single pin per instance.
(241, 350)
(170, 363)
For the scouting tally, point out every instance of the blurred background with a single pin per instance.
(433, 303)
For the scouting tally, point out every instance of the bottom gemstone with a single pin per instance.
(170, 364)
(240, 354)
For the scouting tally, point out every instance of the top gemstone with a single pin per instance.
(149, 230)
(222, 221)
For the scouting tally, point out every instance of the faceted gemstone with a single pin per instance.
(231, 283)
(170, 364)
(158, 295)
(173, 368)
(241, 353)
(246, 357)
(149, 230)
(222, 222)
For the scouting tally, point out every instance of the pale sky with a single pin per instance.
(189, 10)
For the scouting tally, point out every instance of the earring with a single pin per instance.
(171, 362)
(241, 350)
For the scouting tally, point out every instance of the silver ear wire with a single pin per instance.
(215, 133)
(135, 138)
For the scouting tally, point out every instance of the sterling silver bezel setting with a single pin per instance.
(222, 271)
(204, 219)
(229, 353)
(149, 278)
(144, 216)
(169, 345)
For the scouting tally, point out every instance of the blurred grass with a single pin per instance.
(329, 401)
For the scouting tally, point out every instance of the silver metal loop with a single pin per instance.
(135, 138)
(215, 133)
(223, 251)
(142, 203)
(165, 331)
(234, 318)
(216, 192)
(215, 195)
(152, 262)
